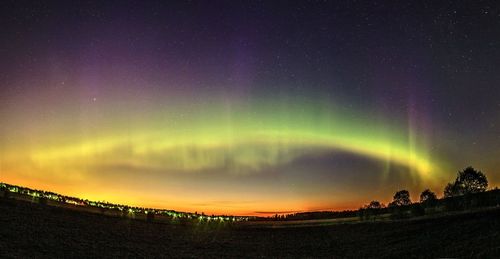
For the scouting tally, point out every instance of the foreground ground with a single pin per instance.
(33, 230)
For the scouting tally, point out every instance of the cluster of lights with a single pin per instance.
(105, 205)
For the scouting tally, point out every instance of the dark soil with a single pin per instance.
(33, 230)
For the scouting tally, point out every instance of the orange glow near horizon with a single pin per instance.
(182, 204)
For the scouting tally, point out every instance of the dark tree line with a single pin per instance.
(467, 191)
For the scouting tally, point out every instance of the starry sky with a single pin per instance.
(248, 107)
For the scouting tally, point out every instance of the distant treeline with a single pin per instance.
(319, 215)
(457, 203)
(468, 191)
(106, 208)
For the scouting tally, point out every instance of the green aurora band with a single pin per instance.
(238, 139)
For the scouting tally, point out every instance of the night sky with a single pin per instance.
(248, 107)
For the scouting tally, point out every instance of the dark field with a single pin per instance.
(33, 230)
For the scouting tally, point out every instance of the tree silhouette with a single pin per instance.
(374, 205)
(468, 181)
(401, 198)
(427, 197)
(472, 181)
(373, 209)
(451, 190)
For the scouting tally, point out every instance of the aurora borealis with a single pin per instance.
(250, 107)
